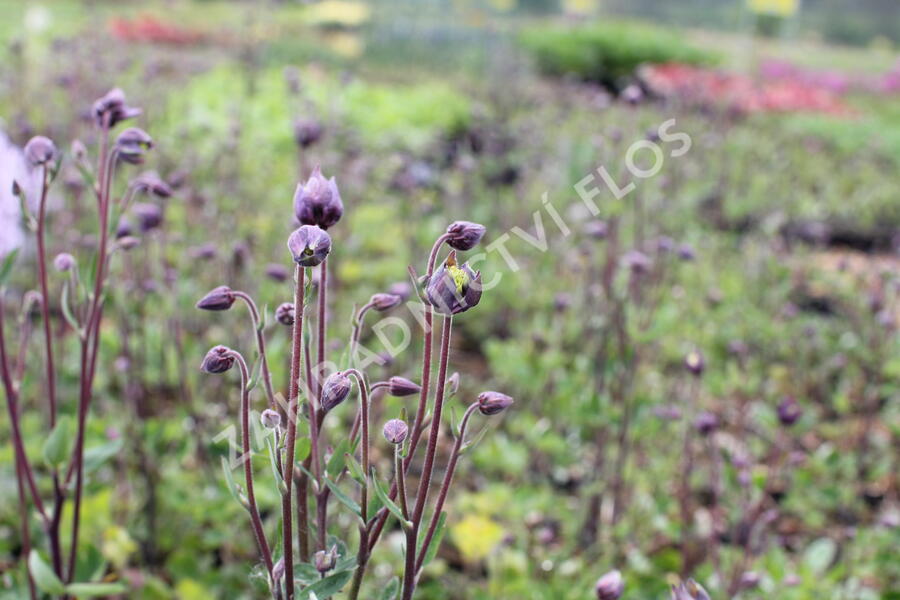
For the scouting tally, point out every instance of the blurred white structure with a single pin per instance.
(12, 167)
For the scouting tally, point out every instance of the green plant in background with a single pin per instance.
(607, 52)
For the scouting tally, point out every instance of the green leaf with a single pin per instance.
(273, 462)
(439, 531)
(337, 460)
(306, 573)
(94, 590)
(229, 480)
(327, 587)
(302, 449)
(387, 502)
(344, 498)
(58, 444)
(43, 575)
(820, 554)
(355, 469)
(96, 456)
(67, 310)
(7, 266)
(391, 590)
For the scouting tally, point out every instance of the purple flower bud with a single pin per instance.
(318, 202)
(112, 107)
(220, 298)
(492, 403)
(402, 289)
(325, 561)
(217, 360)
(464, 235)
(307, 132)
(309, 245)
(270, 419)
(686, 252)
(284, 314)
(277, 272)
(278, 570)
(789, 411)
(207, 251)
(689, 590)
(385, 302)
(151, 183)
(694, 362)
(632, 94)
(124, 228)
(128, 242)
(149, 216)
(610, 586)
(665, 244)
(453, 289)
(597, 229)
(395, 431)
(39, 151)
(706, 423)
(64, 262)
(401, 386)
(562, 301)
(335, 390)
(132, 144)
(637, 261)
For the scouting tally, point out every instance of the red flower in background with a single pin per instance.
(149, 29)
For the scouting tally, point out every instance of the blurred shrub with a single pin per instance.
(607, 52)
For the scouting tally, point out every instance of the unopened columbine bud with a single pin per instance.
(395, 431)
(278, 571)
(402, 289)
(492, 403)
(464, 235)
(309, 245)
(453, 289)
(325, 561)
(689, 590)
(277, 272)
(64, 262)
(610, 586)
(597, 229)
(132, 144)
(217, 360)
(113, 109)
(149, 216)
(270, 419)
(706, 423)
(385, 302)
(39, 151)
(401, 386)
(220, 298)
(694, 362)
(151, 183)
(284, 314)
(637, 261)
(789, 411)
(335, 390)
(318, 202)
(686, 252)
(307, 132)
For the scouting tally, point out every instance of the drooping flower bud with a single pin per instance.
(151, 183)
(284, 314)
(395, 431)
(270, 419)
(789, 411)
(402, 289)
(64, 262)
(220, 298)
(453, 289)
(464, 235)
(694, 362)
(401, 386)
(149, 216)
(492, 403)
(610, 586)
(307, 132)
(277, 272)
(318, 202)
(706, 423)
(385, 302)
(217, 360)
(112, 107)
(309, 245)
(132, 144)
(689, 590)
(335, 390)
(39, 151)
(325, 561)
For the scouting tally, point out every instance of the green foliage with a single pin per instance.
(607, 52)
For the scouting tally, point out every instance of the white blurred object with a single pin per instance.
(12, 167)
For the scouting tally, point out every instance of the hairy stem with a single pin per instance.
(260, 346)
